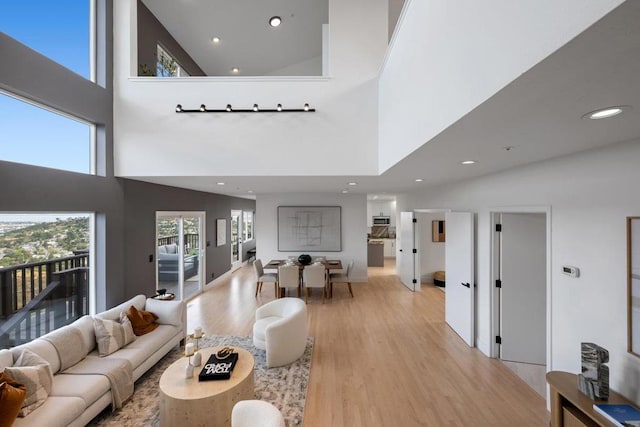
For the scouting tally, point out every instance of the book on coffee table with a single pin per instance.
(620, 415)
(218, 369)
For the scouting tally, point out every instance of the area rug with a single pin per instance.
(284, 387)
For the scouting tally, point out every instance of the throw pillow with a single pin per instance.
(143, 321)
(35, 373)
(110, 336)
(12, 394)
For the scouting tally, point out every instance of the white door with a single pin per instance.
(408, 266)
(459, 295)
(523, 275)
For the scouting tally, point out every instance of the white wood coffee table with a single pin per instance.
(189, 402)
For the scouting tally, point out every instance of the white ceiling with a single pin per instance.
(246, 39)
(538, 114)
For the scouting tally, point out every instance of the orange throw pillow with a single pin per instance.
(12, 394)
(142, 321)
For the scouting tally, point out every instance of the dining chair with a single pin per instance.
(313, 276)
(289, 277)
(341, 278)
(262, 277)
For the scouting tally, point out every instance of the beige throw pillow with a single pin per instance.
(35, 373)
(111, 336)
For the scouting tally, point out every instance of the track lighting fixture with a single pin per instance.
(254, 109)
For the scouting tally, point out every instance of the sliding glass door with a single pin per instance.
(236, 239)
(180, 253)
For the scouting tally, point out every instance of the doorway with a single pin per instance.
(180, 253)
(520, 266)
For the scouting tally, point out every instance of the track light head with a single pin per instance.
(255, 108)
(178, 108)
(306, 107)
(203, 108)
(228, 107)
(279, 107)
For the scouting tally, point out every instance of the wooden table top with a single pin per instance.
(330, 264)
(566, 384)
(174, 384)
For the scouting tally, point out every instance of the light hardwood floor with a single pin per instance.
(384, 358)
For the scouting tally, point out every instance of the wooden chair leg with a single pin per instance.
(257, 288)
(350, 291)
(306, 298)
(324, 291)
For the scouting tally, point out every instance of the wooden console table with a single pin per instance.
(570, 407)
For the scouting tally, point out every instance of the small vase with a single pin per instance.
(197, 359)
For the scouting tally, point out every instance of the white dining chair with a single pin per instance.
(314, 276)
(262, 277)
(342, 278)
(289, 277)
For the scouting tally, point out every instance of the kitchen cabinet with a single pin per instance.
(389, 248)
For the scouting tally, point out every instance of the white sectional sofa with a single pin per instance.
(76, 399)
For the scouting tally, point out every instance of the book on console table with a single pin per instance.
(620, 415)
(218, 369)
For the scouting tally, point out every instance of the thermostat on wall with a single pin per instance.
(571, 271)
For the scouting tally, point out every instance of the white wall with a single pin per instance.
(448, 57)
(148, 128)
(354, 226)
(431, 253)
(590, 195)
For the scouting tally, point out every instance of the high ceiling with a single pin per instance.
(247, 41)
(538, 115)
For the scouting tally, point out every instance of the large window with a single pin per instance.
(247, 225)
(60, 30)
(35, 136)
(45, 280)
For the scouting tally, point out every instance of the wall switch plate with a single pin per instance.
(571, 271)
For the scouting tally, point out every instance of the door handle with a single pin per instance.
(466, 285)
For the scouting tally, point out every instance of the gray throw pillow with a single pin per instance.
(35, 373)
(112, 336)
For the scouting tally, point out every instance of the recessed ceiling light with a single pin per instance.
(419, 179)
(250, 191)
(215, 40)
(604, 113)
(353, 183)
(235, 70)
(345, 191)
(274, 21)
(220, 183)
(468, 162)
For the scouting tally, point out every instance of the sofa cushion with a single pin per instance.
(6, 359)
(85, 324)
(57, 411)
(87, 387)
(143, 321)
(144, 346)
(114, 313)
(260, 327)
(111, 335)
(12, 395)
(42, 348)
(34, 372)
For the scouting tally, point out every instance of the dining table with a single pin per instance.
(329, 264)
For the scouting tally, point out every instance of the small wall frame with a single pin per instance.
(221, 232)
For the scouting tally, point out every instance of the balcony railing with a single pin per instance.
(39, 297)
(190, 241)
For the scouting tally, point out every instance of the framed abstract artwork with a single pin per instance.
(309, 229)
